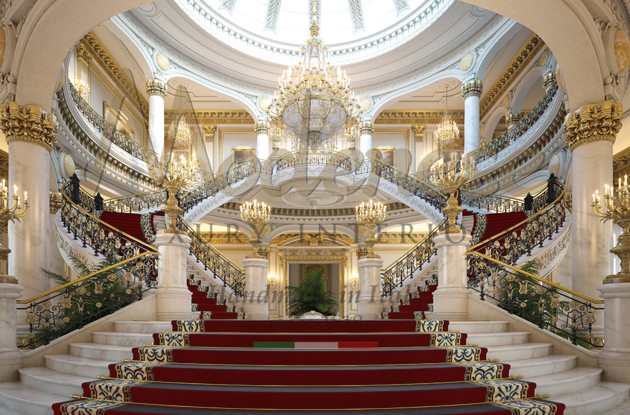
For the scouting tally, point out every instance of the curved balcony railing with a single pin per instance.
(219, 265)
(71, 306)
(136, 202)
(492, 148)
(80, 220)
(312, 157)
(395, 276)
(550, 306)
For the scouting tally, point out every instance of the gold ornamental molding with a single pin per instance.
(595, 122)
(418, 131)
(313, 212)
(84, 54)
(366, 127)
(524, 56)
(417, 118)
(211, 117)
(105, 60)
(621, 158)
(28, 123)
(472, 88)
(54, 202)
(262, 127)
(4, 165)
(156, 87)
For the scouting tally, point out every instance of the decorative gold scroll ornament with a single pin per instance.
(451, 177)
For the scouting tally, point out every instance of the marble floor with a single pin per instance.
(620, 410)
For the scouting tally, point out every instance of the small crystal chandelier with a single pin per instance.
(83, 88)
(180, 132)
(447, 132)
(313, 102)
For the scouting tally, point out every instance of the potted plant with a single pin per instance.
(311, 295)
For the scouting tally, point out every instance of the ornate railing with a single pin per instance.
(103, 238)
(214, 261)
(490, 202)
(402, 270)
(122, 141)
(71, 306)
(136, 202)
(519, 240)
(537, 300)
(504, 140)
(312, 157)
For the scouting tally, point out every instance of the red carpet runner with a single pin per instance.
(212, 366)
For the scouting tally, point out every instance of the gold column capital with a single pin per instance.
(594, 122)
(208, 131)
(512, 119)
(549, 80)
(84, 54)
(366, 127)
(156, 87)
(472, 88)
(54, 202)
(418, 131)
(262, 127)
(28, 123)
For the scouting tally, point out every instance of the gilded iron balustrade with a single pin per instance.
(136, 202)
(504, 140)
(519, 240)
(395, 276)
(214, 261)
(125, 143)
(103, 238)
(537, 300)
(312, 157)
(71, 306)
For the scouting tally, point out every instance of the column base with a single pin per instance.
(616, 366)
(450, 304)
(10, 362)
(173, 304)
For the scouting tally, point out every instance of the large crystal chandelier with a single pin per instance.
(180, 132)
(447, 132)
(314, 102)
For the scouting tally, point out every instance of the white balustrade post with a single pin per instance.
(370, 305)
(174, 299)
(10, 356)
(615, 357)
(156, 89)
(450, 299)
(471, 91)
(256, 300)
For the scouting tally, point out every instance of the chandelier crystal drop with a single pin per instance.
(180, 133)
(314, 102)
(447, 132)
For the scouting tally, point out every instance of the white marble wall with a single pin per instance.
(591, 238)
(262, 146)
(10, 356)
(29, 239)
(615, 357)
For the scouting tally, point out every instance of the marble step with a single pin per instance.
(101, 351)
(568, 381)
(21, 399)
(475, 327)
(542, 366)
(122, 339)
(519, 351)
(75, 365)
(499, 339)
(602, 397)
(149, 327)
(50, 381)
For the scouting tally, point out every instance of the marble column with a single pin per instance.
(156, 89)
(262, 139)
(31, 133)
(255, 301)
(10, 356)
(590, 133)
(615, 357)
(471, 91)
(366, 129)
(370, 305)
(512, 119)
(174, 299)
(450, 299)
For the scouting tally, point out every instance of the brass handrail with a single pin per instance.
(559, 287)
(541, 211)
(133, 258)
(151, 248)
(213, 248)
(413, 247)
